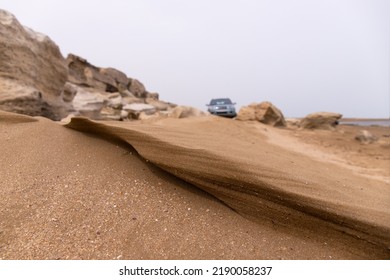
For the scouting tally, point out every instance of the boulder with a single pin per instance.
(366, 137)
(320, 120)
(267, 113)
(264, 112)
(32, 71)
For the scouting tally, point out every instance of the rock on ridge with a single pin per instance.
(320, 120)
(264, 112)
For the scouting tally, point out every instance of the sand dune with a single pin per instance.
(200, 188)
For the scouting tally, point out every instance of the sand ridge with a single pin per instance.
(72, 195)
(258, 178)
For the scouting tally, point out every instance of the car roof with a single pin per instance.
(225, 100)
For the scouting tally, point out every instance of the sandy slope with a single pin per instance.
(72, 195)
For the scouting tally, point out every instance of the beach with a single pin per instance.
(196, 188)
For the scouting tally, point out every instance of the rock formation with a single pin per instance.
(264, 112)
(107, 93)
(320, 120)
(36, 80)
(32, 71)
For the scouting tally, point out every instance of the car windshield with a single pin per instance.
(222, 101)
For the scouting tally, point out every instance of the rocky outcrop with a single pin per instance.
(32, 71)
(36, 80)
(82, 73)
(264, 112)
(366, 137)
(107, 93)
(320, 120)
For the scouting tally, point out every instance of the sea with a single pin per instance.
(368, 122)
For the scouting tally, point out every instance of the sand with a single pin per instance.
(197, 188)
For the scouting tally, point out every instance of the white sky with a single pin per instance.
(302, 55)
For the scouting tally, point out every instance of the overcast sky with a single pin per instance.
(302, 55)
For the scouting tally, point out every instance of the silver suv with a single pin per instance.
(222, 107)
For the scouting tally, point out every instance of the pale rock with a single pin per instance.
(89, 102)
(264, 112)
(138, 107)
(135, 109)
(366, 137)
(180, 112)
(320, 120)
(114, 100)
(124, 114)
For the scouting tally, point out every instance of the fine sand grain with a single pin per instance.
(200, 188)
